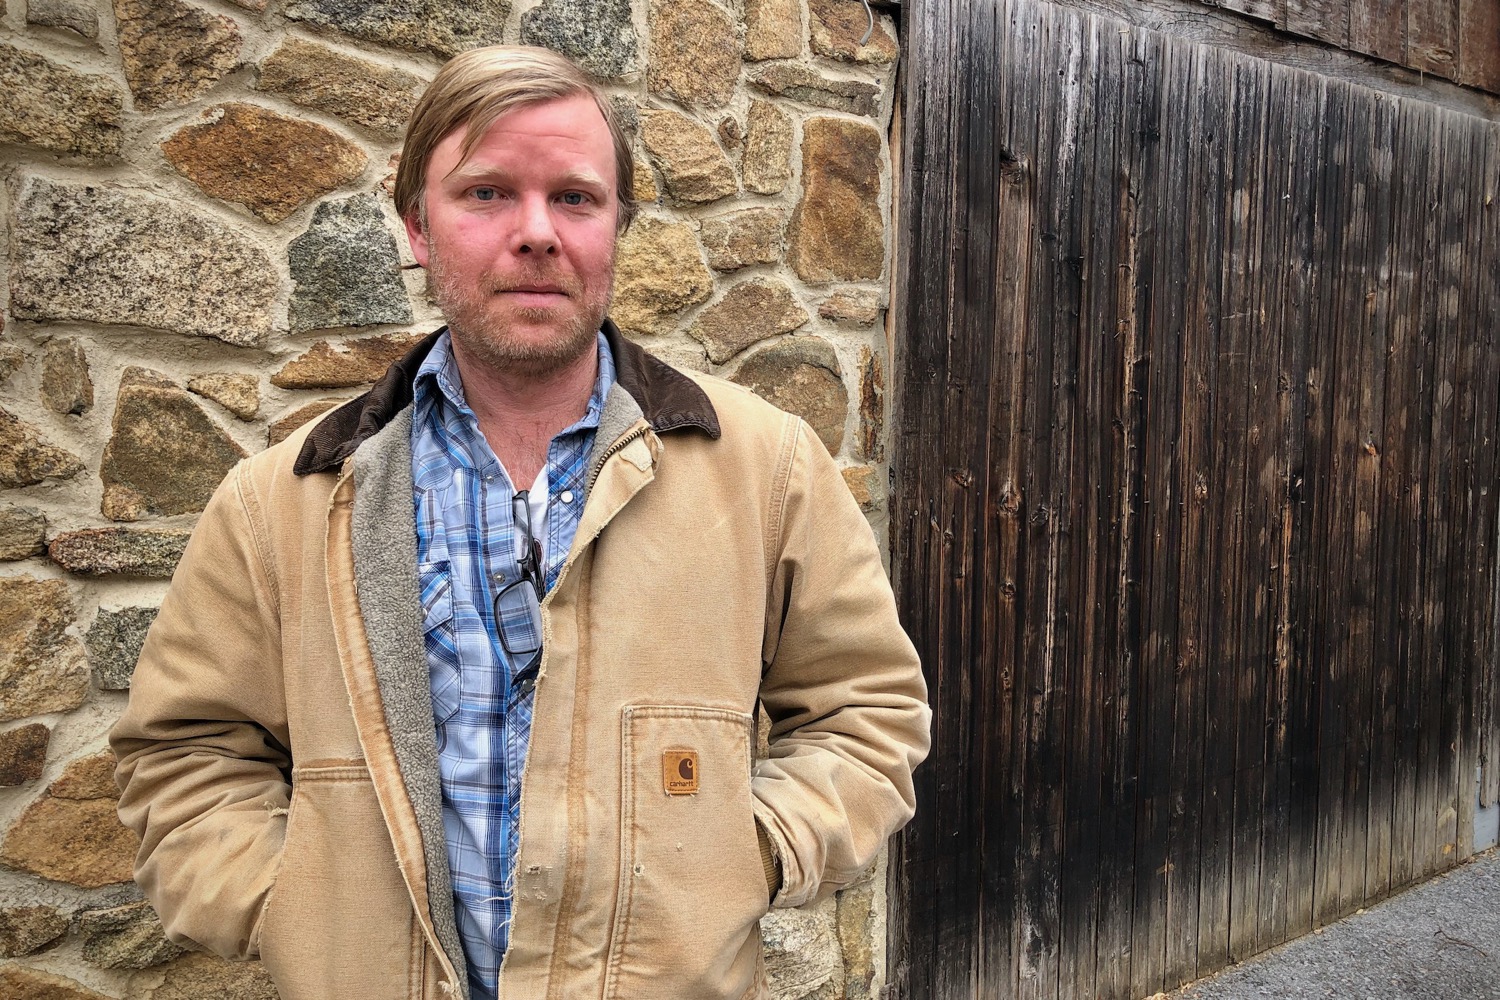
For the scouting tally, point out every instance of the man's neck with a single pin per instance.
(519, 414)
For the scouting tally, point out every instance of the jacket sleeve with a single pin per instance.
(202, 745)
(842, 686)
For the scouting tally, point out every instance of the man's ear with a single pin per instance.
(416, 234)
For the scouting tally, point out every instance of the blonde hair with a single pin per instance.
(478, 86)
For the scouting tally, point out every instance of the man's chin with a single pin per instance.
(527, 345)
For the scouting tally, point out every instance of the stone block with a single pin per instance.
(695, 52)
(91, 777)
(41, 668)
(78, 841)
(66, 386)
(346, 269)
(659, 272)
(270, 163)
(693, 167)
(802, 376)
(19, 982)
(327, 365)
(98, 254)
(375, 96)
(49, 106)
(125, 937)
(838, 25)
(282, 428)
(198, 976)
(26, 458)
(743, 238)
(23, 755)
(11, 360)
(750, 311)
(68, 15)
(237, 393)
(597, 34)
(767, 162)
(857, 930)
(148, 552)
(173, 51)
(838, 229)
(802, 952)
(114, 644)
(23, 532)
(797, 82)
(773, 29)
(165, 455)
(851, 307)
(25, 930)
(446, 27)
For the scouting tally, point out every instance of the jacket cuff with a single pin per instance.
(768, 862)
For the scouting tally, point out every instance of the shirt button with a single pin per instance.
(567, 496)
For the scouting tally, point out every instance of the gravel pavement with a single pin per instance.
(1437, 941)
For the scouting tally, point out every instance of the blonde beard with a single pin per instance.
(486, 339)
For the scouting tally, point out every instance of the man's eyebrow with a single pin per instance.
(469, 172)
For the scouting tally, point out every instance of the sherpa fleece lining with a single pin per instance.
(384, 536)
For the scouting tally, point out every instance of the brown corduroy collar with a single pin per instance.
(668, 399)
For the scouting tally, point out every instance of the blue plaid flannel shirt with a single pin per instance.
(466, 547)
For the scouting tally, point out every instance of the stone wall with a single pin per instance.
(201, 254)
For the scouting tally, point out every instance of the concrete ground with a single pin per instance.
(1438, 941)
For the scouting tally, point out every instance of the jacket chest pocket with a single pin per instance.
(692, 890)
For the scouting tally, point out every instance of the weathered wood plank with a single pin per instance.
(1479, 44)
(1432, 37)
(1378, 28)
(1325, 20)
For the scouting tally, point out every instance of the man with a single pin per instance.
(454, 692)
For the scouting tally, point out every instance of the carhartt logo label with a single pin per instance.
(679, 772)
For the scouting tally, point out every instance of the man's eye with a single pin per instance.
(485, 194)
(572, 198)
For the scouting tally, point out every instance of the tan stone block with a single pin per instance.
(838, 25)
(750, 311)
(66, 386)
(91, 777)
(797, 82)
(23, 754)
(165, 455)
(79, 841)
(26, 458)
(172, 52)
(41, 668)
(851, 307)
(370, 94)
(327, 365)
(773, 29)
(644, 187)
(239, 394)
(147, 552)
(659, 272)
(740, 239)
(97, 253)
(282, 428)
(69, 15)
(49, 106)
(871, 405)
(838, 229)
(693, 167)
(864, 483)
(11, 360)
(23, 532)
(856, 930)
(694, 54)
(767, 163)
(27, 929)
(802, 952)
(20, 983)
(125, 937)
(801, 375)
(198, 976)
(270, 163)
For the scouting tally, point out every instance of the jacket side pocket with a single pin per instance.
(692, 889)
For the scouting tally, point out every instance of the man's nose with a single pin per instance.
(535, 233)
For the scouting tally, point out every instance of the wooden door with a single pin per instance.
(1194, 518)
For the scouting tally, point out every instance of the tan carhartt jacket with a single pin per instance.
(277, 756)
